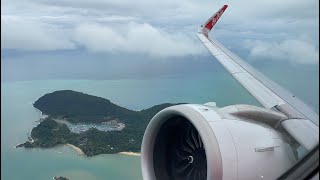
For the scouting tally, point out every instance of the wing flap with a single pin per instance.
(303, 131)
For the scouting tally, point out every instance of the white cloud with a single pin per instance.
(192, 9)
(294, 50)
(273, 9)
(23, 34)
(111, 34)
(270, 20)
(135, 38)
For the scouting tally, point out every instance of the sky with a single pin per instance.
(148, 38)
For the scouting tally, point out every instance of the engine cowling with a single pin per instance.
(193, 141)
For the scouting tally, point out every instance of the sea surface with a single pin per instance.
(18, 118)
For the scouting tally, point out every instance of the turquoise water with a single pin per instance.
(18, 118)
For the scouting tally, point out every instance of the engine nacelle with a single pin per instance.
(205, 142)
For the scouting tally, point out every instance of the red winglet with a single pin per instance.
(213, 20)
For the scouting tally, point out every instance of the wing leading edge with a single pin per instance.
(267, 92)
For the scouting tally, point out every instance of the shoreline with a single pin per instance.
(41, 113)
(130, 153)
(77, 149)
(18, 145)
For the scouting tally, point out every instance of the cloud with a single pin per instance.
(190, 9)
(29, 35)
(169, 25)
(135, 38)
(110, 34)
(274, 9)
(294, 50)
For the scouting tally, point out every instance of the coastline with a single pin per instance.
(30, 139)
(130, 153)
(81, 153)
(77, 149)
(18, 145)
(42, 115)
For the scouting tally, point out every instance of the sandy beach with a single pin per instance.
(130, 153)
(78, 150)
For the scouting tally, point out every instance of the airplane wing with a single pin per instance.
(302, 123)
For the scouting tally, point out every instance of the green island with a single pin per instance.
(76, 107)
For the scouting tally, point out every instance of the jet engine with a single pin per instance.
(199, 142)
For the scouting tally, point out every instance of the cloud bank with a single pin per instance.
(135, 38)
(130, 37)
(294, 50)
(162, 28)
(29, 35)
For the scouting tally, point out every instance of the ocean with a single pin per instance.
(18, 118)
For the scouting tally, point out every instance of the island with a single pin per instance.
(92, 124)
(60, 178)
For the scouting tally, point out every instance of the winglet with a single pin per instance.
(206, 27)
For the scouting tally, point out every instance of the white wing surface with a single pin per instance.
(302, 122)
